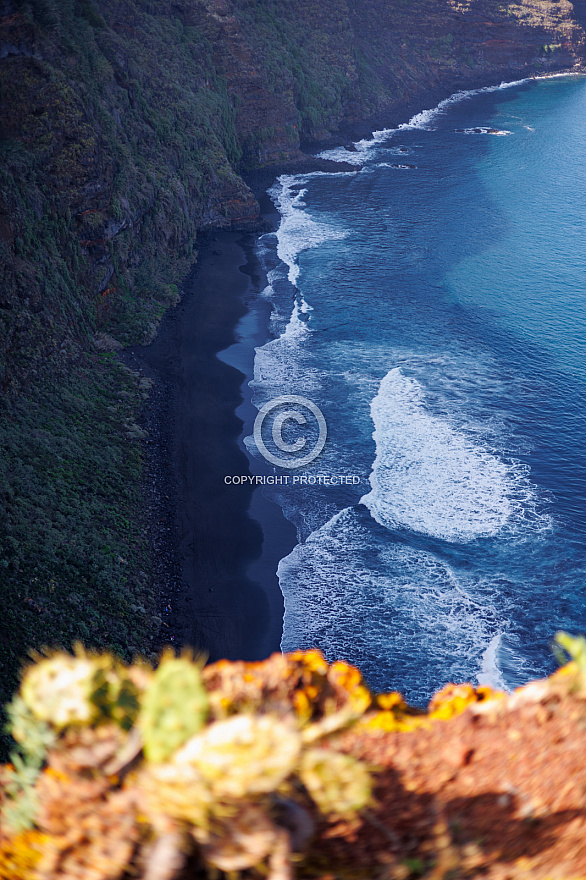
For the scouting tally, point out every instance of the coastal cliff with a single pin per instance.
(126, 126)
(288, 768)
(127, 129)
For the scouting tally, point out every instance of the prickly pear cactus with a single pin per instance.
(85, 689)
(339, 784)
(58, 690)
(134, 764)
(245, 755)
(575, 647)
(33, 736)
(248, 837)
(174, 707)
(114, 694)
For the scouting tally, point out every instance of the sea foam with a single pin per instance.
(362, 149)
(298, 230)
(430, 477)
(424, 119)
(490, 672)
(432, 622)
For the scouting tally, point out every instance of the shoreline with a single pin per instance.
(212, 604)
(260, 179)
(431, 96)
(217, 547)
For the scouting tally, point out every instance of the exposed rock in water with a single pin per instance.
(125, 127)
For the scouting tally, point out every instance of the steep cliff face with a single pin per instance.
(296, 76)
(125, 123)
(119, 145)
(308, 69)
(405, 47)
(124, 128)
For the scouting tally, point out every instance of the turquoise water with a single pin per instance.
(433, 305)
(531, 279)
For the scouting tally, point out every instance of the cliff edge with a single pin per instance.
(290, 767)
(126, 127)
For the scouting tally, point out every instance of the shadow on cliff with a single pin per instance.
(441, 836)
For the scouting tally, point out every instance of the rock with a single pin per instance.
(105, 342)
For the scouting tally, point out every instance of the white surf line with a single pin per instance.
(364, 146)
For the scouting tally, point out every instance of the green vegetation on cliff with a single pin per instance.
(124, 128)
(73, 552)
(116, 147)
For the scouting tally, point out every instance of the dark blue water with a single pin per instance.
(433, 305)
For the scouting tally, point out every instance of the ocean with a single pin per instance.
(432, 305)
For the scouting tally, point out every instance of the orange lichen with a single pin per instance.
(391, 722)
(302, 678)
(312, 660)
(395, 715)
(349, 679)
(453, 699)
(20, 855)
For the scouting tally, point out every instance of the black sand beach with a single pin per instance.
(217, 546)
(206, 537)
